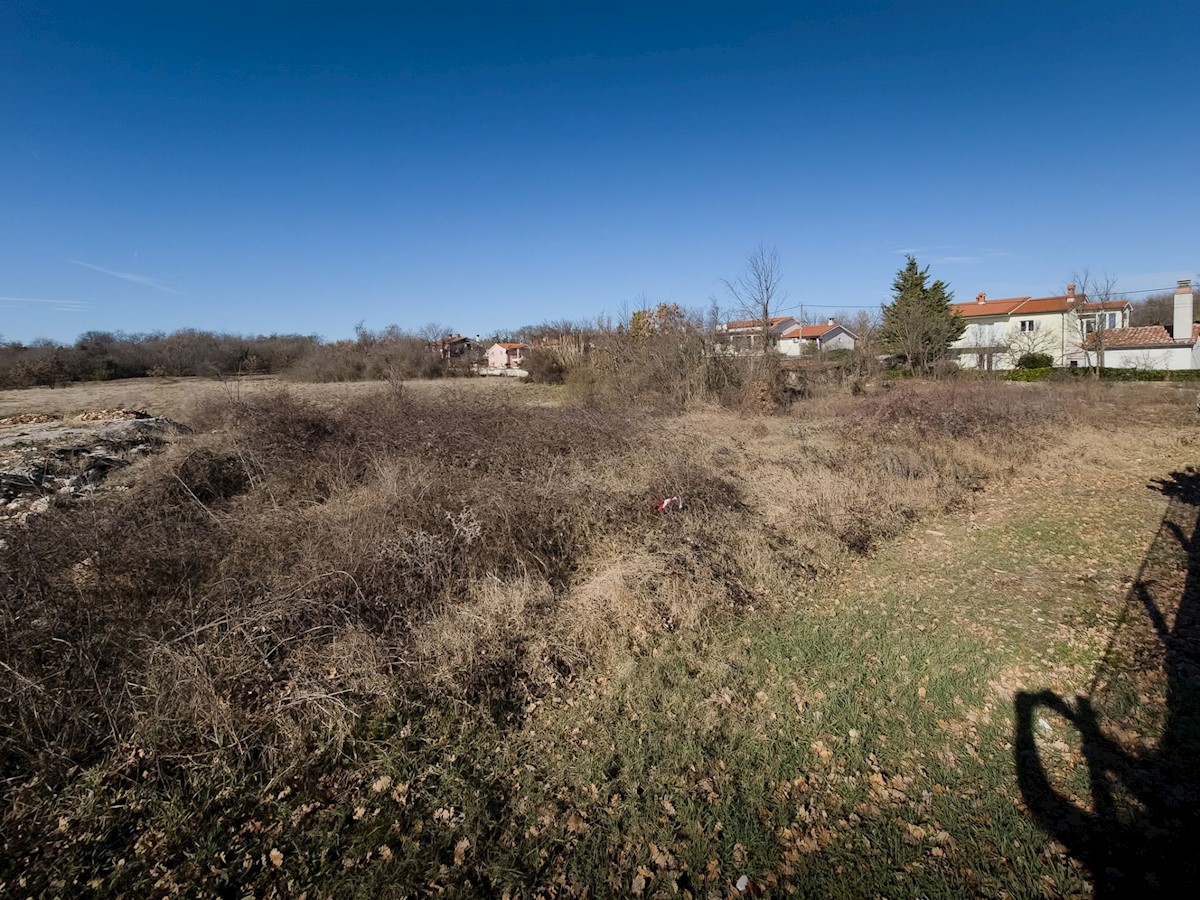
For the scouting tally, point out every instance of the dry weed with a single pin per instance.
(260, 588)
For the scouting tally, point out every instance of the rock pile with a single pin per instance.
(50, 458)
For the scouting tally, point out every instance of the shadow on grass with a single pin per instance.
(1139, 833)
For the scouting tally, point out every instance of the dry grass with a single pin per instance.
(182, 398)
(269, 590)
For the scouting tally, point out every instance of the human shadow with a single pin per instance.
(1139, 834)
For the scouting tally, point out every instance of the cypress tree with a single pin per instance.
(918, 324)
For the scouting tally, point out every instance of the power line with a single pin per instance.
(1166, 290)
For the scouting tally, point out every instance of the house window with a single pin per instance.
(1101, 320)
(1028, 325)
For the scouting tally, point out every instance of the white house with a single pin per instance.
(1000, 332)
(1152, 346)
(802, 340)
(746, 335)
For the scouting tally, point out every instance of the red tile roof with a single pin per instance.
(807, 332)
(1142, 336)
(754, 323)
(513, 346)
(1031, 305)
(1034, 305)
(989, 307)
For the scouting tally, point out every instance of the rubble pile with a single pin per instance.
(100, 415)
(42, 457)
(27, 419)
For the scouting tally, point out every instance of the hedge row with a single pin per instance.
(1108, 374)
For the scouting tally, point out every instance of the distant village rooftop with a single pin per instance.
(745, 324)
(809, 332)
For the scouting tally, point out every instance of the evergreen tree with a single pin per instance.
(918, 324)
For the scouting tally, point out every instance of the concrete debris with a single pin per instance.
(42, 456)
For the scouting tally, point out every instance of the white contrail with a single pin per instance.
(127, 276)
(71, 305)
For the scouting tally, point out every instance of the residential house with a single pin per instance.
(999, 332)
(1152, 346)
(803, 340)
(746, 335)
(506, 355)
(454, 347)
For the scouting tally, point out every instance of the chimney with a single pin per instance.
(1070, 292)
(1184, 309)
(832, 321)
(981, 298)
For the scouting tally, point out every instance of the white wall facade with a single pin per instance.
(1171, 358)
(1006, 338)
(793, 348)
(837, 338)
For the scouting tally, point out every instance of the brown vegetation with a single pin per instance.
(267, 586)
(104, 356)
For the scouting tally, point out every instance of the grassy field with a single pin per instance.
(932, 642)
(180, 398)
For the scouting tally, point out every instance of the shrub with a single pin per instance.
(960, 408)
(545, 366)
(1035, 361)
(1111, 374)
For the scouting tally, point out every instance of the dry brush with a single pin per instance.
(267, 585)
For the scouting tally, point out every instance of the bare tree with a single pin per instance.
(864, 325)
(1148, 360)
(433, 332)
(1157, 309)
(757, 292)
(1019, 344)
(1094, 293)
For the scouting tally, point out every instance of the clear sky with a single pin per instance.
(302, 166)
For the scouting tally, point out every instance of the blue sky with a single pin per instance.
(303, 166)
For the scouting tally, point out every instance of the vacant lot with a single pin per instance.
(932, 641)
(180, 398)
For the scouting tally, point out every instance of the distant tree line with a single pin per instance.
(1156, 309)
(662, 347)
(104, 355)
